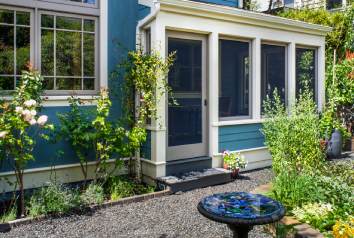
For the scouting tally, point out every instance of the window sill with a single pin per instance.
(238, 122)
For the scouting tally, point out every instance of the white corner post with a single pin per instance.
(291, 74)
(157, 164)
(213, 95)
(321, 78)
(256, 78)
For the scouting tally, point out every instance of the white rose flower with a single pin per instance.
(33, 112)
(42, 120)
(19, 109)
(3, 134)
(32, 122)
(26, 112)
(30, 103)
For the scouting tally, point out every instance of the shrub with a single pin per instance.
(293, 138)
(94, 194)
(9, 215)
(344, 229)
(53, 199)
(121, 187)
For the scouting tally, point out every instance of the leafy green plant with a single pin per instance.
(315, 214)
(9, 215)
(76, 128)
(20, 124)
(94, 194)
(144, 85)
(121, 187)
(293, 138)
(344, 228)
(53, 198)
(234, 160)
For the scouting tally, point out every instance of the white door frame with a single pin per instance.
(200, 149)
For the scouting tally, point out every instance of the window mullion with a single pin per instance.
(82, 54)
(15, 39)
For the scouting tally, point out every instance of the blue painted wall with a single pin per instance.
(240, 137)
(231, 3)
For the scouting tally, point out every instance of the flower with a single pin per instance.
(33, 112)
(3, 134)
(226, 153)
(32, 122)
(18, 109)
(30, 103)
(42, 120)
(26, 112)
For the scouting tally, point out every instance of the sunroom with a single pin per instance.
(227, 61)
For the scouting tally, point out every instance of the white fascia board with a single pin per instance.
(232, 14)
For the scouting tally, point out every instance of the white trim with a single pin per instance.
(103, 43)
(238, 122)
(153, 162)
(246, 150)
(239, 15)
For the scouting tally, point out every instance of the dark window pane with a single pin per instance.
(68, 84)
(331, 4)
(68, 53)
(47, 52)
(89, 84)
(89, 25)
(23, 18)
(23, 48)
(6, 50)
(6, 83)
(234, 79)
(48, 83)
(185, 74)
(47, 21)
(185, 78)
(305, 70)
(89, 55)
(6, 16)
(69, 23)
(273, 71)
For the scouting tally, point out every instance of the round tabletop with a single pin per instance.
(240, 208)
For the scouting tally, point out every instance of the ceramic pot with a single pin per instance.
(234, 173)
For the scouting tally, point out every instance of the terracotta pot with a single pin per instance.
(234, 173)
(226, 166)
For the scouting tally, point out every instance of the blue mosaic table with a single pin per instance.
(241, 211)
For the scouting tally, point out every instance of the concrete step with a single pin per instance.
(179, 167)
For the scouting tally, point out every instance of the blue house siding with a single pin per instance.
(143, 11)
(230, 3)
(240, 137)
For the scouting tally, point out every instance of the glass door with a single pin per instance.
(187, 119)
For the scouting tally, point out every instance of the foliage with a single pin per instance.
(144, 85)
(121, 187)
(293, 140)
(316, 214)
(94, 194)
(19, 124)
(10, 215)
(234, 160)
(91, 131)
(76, 128)
(344, 229)
(53, 199)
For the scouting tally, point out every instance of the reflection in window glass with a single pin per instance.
(15, 36)
(273, 71)
(305, 70)
(68, 53)
(84, 1)
(234, 78)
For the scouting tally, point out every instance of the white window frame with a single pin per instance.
(250, 77)
(81, 4)
(38, 56)
(286, 78)
(99, 12)
(307, 47)
(32, 49)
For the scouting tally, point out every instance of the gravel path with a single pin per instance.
(170, 216)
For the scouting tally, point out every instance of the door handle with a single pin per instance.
(205, 102)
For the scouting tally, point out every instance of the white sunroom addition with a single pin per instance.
(228, 59)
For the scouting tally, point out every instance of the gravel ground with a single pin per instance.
(169, 216)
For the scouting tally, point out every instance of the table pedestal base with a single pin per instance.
(240, 231)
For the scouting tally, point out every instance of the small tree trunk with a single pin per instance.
(137, 166)
(270, 6)
(22, 194)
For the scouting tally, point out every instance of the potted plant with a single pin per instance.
(234, 161)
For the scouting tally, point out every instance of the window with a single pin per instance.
(332, 4)
(273, 71)
(68, 52)
(305, 70)
(234, 95)
(15, 46)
